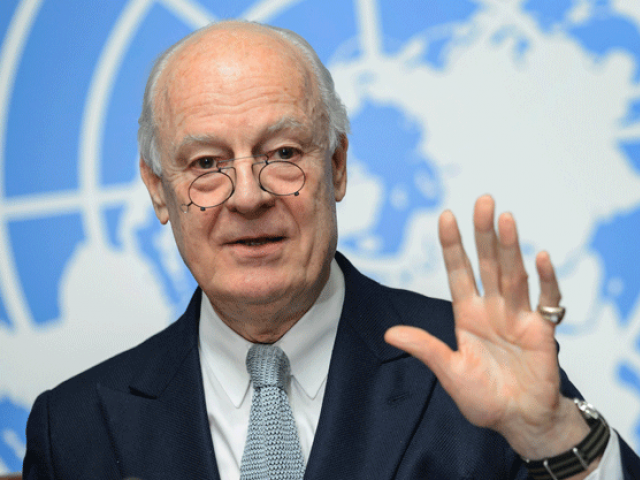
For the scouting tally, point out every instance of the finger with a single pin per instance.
(549, 289)
(431, 351)
(461, 281)
(513, 276)
(487, 245)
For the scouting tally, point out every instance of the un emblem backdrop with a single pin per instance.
(534, 101)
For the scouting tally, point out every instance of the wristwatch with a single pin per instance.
(579, 457)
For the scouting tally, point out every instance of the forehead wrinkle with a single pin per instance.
(298, 94)
(204, 140)
(219, 50)
(290, 124)
(285, 124)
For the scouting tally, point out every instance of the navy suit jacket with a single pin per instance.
(385, 415)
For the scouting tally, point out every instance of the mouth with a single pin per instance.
(257, 242)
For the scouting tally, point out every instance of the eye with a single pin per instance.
(205, 163)
(286, 153)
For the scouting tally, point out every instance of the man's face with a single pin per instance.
(234, 97)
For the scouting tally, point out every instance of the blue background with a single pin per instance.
(45, 112)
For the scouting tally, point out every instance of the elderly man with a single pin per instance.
(243, 150)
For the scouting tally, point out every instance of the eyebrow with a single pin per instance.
(203, 140)
(283, 125)
(290, 124)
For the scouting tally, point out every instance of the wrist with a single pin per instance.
(548, 433)
(578, 458)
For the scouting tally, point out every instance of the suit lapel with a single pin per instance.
(375, 394)
(159, 427)
(374, 399)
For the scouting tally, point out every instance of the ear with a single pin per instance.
(156, 191)
(339, 168)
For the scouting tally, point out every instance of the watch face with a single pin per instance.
(588, 411)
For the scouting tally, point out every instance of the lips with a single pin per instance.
(256, 247)
(258, 241)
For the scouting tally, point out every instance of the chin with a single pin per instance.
(263, 287)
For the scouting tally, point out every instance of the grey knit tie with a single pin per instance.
(272, 451)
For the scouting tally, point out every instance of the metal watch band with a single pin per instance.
(578, 458)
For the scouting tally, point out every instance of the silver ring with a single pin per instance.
(552, 314)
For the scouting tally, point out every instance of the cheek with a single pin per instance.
(325, 197)
(177, 219)
(320, 219)
(191, 231)
(192, 237)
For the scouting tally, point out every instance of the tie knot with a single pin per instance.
(268, 366)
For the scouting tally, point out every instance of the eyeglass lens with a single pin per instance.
(277, 177)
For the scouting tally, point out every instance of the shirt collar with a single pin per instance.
(308, 344)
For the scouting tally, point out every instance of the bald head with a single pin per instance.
(224, 56)
(226, 108)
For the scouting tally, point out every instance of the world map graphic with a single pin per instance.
(534, 101)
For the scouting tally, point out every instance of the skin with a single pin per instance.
(224, 96)
(230, 88)
(504, 374)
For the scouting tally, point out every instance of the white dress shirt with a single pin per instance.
(308, 344)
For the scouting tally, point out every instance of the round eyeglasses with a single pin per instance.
(281, 178)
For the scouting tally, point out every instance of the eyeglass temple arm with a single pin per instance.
(185, 207)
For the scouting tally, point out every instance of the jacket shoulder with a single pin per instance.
(120, 370)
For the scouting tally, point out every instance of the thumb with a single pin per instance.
(431, 351)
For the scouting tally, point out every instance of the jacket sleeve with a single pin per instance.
(38, 462)
(630, 461)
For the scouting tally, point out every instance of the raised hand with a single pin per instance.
(504, 374)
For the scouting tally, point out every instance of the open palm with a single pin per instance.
(504, 374)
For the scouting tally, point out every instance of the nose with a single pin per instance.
(248, 197)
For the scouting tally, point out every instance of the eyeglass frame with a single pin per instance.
(185, 206)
